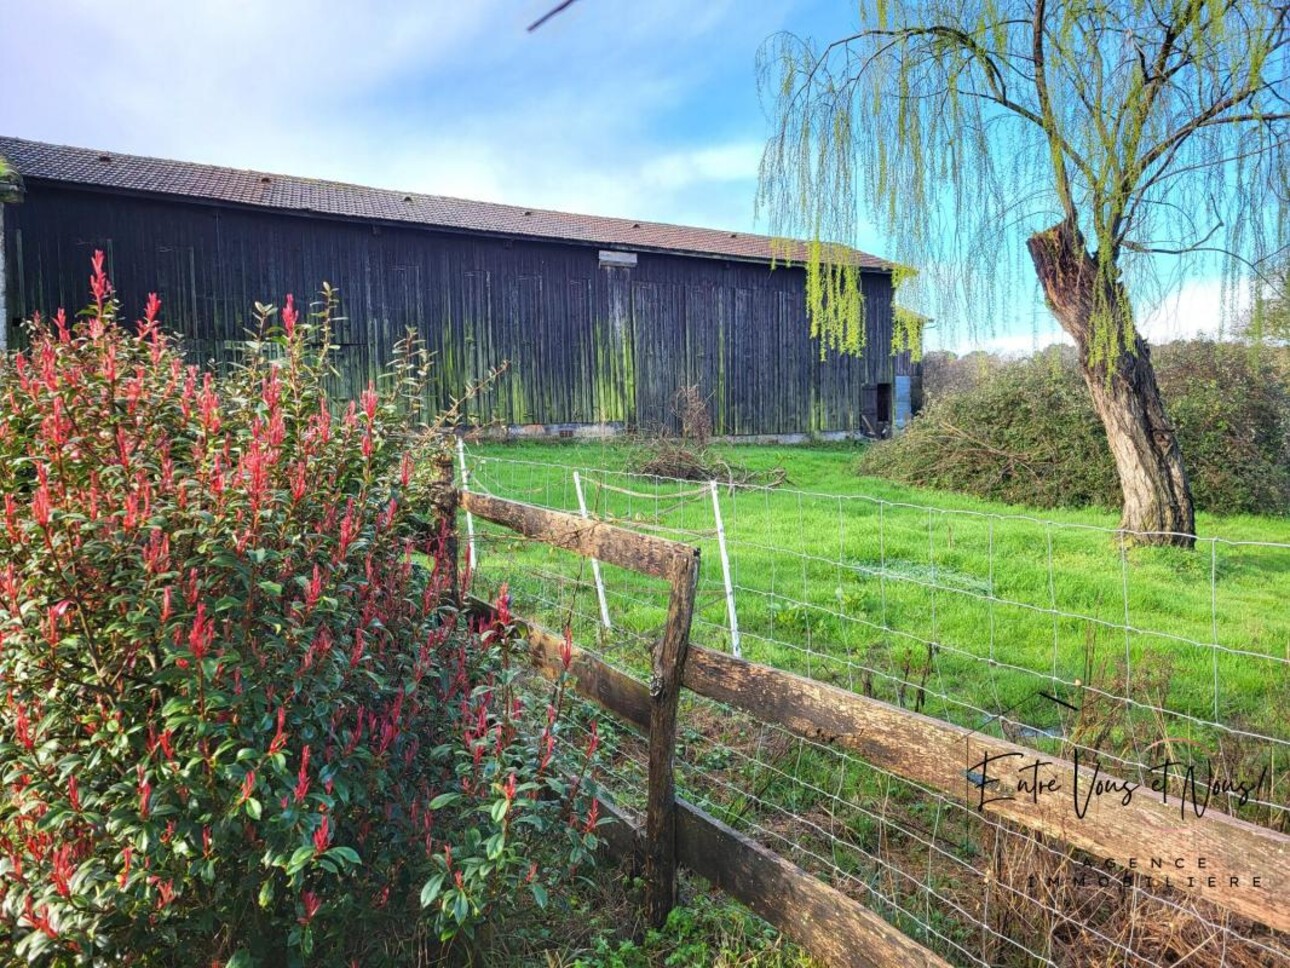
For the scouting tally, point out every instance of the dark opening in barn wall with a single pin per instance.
(884, 404)
(589, 341)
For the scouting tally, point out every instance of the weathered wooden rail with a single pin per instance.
(938, 755)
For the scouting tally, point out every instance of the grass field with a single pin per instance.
(948, 605)
(856, 576)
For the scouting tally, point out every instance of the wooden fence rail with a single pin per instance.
(940, 756)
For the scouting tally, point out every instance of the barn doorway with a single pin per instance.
(884, 405)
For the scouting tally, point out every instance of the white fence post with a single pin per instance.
(725, 571)
(470, 518)
(595, 565)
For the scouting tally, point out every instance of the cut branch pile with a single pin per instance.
(689, 455)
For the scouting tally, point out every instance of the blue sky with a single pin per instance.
(648, 110)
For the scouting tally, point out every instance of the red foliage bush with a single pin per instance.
(237, 725)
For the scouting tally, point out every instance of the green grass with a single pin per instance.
(834, 584)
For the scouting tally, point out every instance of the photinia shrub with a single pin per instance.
(238, 724)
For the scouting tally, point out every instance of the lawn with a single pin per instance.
(953, 605)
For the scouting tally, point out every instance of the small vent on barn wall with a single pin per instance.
(565, 433)
(617, 260)
(105, 157)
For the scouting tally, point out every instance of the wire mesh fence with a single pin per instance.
(1064, 638)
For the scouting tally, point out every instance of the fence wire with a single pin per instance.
(971, 617)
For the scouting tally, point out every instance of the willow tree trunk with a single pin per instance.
(1157, 498)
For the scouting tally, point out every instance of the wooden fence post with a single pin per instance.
(443, 508)
(668, 664)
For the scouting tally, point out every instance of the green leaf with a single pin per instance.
(539, 894)
(299, 859)
(443, 800)
(432, 889)
(347, 854)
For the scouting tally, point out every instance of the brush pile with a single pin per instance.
(689, 455)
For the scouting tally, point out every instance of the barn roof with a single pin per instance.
(135, 173)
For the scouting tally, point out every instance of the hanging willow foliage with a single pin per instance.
(907, 332)
(834, 298)
(10, 183)
(959, 128)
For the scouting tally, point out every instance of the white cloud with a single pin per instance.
(184, 75)
(1199, 307)
(681, 169)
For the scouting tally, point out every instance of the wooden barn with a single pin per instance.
(602, 320)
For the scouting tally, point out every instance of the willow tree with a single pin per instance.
(1089, 138)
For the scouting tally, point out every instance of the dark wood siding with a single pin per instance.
(585, 344)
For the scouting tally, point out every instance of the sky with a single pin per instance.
(642, 110)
